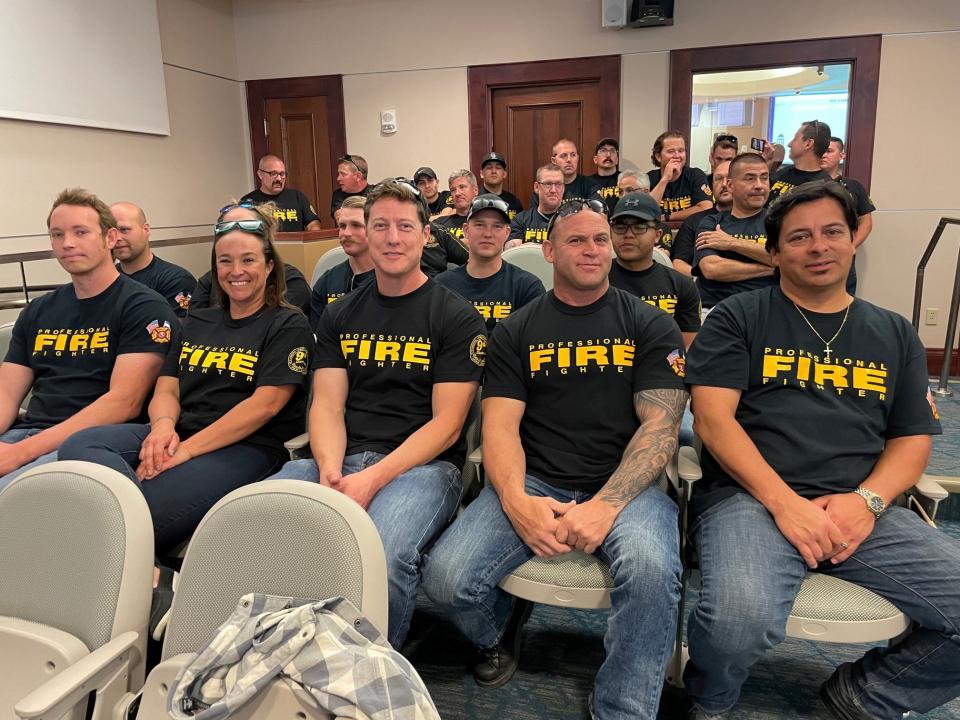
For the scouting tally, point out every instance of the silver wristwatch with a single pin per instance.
(875, 503)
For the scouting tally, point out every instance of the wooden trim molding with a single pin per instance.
(482, 80)
(935, 362)
(862, 52)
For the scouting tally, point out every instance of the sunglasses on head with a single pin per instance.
(249, 226)
(728, 138)
(406, 183)
(349, 159)
(572, 206)
(489, 204)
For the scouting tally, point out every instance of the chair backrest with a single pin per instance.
(6, 334)
(529, 257)
(331, 258)
(279, 537)
(77, 555)
(659, 257)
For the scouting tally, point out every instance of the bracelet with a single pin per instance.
(163, 417)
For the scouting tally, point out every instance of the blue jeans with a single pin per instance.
(179, 497)
(643, 552)
(751, 575)
(409, 512)
(14, 436)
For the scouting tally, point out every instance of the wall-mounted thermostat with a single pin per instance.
(388, 122)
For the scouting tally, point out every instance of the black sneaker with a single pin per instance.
(840, 697)
(495, 666)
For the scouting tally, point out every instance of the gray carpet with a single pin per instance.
(562, 650)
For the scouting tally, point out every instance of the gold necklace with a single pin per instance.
(826, 349)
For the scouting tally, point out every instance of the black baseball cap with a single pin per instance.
(428, 171)
(639, 205)
(494, 157)
(489, 201)
(607, 141)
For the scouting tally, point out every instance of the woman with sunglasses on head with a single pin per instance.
(225, 403)
(681, 190)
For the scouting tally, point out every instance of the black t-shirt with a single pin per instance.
(821, 426)
(442, 248)
(607, 188)
(395, 349)
(333, 285)
(453, 224)
(294, 211)
(172, 281)
(750, 228)
(577, 369)
(788, 177)
(865, 205)
(685, 239)
(512, 201)
(339, 196)
(530, 226)
(684, 192)
(223, 361)
(666, 236)
(298, 290)
(494, 297)
(443, 201)
(71, 345)
(582, 186)
(664, 288)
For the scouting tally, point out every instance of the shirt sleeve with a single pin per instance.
(914, 410)
(516, 228)
(287, 352)
(298, 291)
(318, 300)
(707, 224)
(659, 362)
(687, 312)
(865, 205)
(463, 345)
(147, 324)
(328, 353)
(531, 290)
(683, 242)
(719, 356)
(700, 191)
(456, 253)
(178, 290)
(306, 211)
(201, 293)
(504, 373)
(171, 364)
(18, 353)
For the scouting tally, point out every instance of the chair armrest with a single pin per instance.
(61, 693)
(298, 443)
(476, 457)
(930, 488)
(688, 464)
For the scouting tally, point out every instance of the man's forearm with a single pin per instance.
(504, 463)
(109, 409)
(899, 467)
(328, 438)
(650, 448)
(754, 251)
(424, 445)
(687, 212)
(863, 230)
(726, 270)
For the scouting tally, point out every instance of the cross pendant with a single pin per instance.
(826, 353)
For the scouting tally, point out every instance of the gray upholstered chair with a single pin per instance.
(529, 257)
(75, 586)
(279, 537)
(331, 258)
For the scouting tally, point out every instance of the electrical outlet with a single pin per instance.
(933, 316)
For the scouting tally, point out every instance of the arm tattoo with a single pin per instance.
(650, 448)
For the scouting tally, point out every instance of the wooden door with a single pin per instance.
(301, 120)
(528, 120)
(298, 132)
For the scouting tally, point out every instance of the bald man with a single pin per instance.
(135, 259)
(294, 212)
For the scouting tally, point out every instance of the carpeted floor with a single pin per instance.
(562, 650)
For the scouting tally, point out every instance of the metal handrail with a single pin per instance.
(943, 389)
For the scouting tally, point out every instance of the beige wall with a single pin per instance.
(181, 180)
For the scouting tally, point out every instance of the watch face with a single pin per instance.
(876, 504)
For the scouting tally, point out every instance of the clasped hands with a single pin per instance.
(830, 527)
(550, 527)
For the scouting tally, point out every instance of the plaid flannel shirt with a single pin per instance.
(327, 648)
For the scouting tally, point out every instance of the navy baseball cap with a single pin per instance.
(494, 157)
(639, 205)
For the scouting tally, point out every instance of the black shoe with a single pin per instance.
(495, 666)
(840, 697)
(161, 603)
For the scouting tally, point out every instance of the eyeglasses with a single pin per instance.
(274, 173)
(639, 228)
(607, 151)
(572, 206)
(728, 138)
(248, 226)
(550, 184)
(482, 203)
